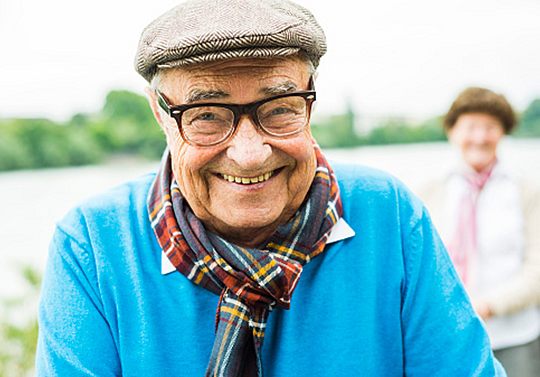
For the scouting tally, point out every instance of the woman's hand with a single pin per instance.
(482, 309)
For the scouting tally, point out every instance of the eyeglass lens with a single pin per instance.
(212, 124)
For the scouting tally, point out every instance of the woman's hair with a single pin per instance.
(480, 100)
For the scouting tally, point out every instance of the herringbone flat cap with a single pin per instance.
(206, 30)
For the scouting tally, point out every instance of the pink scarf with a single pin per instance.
(463, 245)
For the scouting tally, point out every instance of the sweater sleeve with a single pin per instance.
(442, 335)
(74, 336)
(523, 289)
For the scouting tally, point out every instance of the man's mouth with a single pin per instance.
(248, 180)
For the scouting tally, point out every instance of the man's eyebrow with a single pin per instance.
(195, 95)
(286, 87)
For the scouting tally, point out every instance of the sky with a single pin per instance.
(406, 58)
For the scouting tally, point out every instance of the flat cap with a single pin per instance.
(198, 31)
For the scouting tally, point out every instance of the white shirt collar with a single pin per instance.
(340, 231)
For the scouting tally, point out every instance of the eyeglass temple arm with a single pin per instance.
(162, 102)
(311, 83)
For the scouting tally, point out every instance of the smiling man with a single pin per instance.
(191, 271)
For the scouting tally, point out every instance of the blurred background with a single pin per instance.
(74, 120)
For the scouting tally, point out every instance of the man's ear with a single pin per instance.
(153, 100)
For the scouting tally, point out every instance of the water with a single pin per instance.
(32, 201)
(414, 164)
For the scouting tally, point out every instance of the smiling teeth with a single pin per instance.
(248, 181)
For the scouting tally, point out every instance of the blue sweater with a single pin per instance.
(386, 302)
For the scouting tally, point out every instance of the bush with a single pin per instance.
(127, 125)
(13, 154)
(19, 334)
(336, 131)
(529, 124)
(40, 143)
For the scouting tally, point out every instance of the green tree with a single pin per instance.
(44, 141)
(431, 130)
(13, 153)
(530, 120)
(399, 131)
(41, 143)
(393, 131)
(336, 131)
(127, 124)
(123, 104)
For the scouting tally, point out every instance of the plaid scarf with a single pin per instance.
(250, 282)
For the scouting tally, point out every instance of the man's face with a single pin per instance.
(245, 214)
(477, 136)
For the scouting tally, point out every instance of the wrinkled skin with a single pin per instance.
(246, 215)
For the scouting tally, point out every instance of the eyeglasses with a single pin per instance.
(209, 124)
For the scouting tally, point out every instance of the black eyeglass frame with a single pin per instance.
(238, 110)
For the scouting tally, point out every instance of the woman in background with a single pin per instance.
(489, 221)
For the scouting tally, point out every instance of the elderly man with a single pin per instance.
(192, 271)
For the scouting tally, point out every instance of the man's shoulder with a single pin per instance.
(130, 193)
(356, 178)
(375, 193)
(120, 203)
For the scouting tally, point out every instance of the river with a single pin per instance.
(32, 201)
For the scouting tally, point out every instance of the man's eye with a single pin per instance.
(206, 116)
(280, 111)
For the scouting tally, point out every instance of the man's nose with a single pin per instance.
(248, 147)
